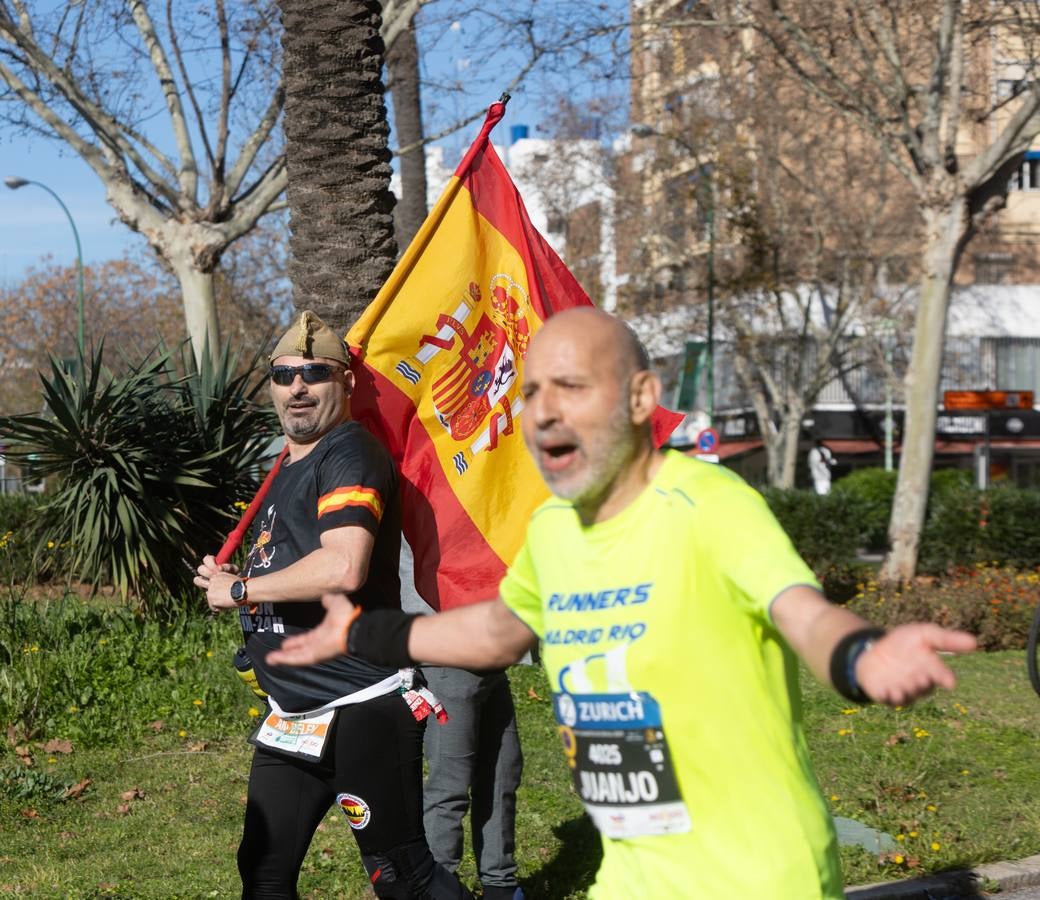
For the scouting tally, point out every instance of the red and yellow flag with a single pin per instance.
(442, 349)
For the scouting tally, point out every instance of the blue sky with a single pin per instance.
(33, 225)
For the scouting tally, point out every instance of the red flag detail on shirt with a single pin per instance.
(441, 352)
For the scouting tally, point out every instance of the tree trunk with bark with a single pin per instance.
(402, 62)
(341, 208)
(945, 236)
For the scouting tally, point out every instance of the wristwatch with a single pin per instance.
(238, 591)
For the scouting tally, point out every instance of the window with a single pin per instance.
(993, 268)
(1018, 364)
(1027, 178)
(1010, 87)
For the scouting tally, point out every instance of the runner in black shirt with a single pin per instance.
(344, 731)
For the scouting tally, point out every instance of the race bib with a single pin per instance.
(298, 736)
(622, 768)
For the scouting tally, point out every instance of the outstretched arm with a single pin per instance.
(482, 636)
(896, 668)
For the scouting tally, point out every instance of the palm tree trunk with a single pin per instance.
(340, 205)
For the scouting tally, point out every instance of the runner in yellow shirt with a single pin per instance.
(671, 605)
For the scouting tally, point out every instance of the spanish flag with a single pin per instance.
(438, 358)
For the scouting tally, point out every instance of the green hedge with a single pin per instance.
(963, 526)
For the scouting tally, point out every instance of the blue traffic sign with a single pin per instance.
(707, 441)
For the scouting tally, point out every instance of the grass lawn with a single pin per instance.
(954, 776)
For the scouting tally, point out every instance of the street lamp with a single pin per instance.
(642, 130)
(14, 182)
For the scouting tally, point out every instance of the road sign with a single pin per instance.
(707, 441)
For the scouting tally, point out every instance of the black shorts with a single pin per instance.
(372, 767)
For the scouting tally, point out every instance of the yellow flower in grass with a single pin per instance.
(209, 654)
(936, 845)
(50, 545)
(899, 859)
(851, 711)
(913, 834)
(842, 732)
(921, 733)
(900, 837)
(930, 807)
(73, 709)
(965, 772)
(253, 712)
(182, 733)
(197, 702)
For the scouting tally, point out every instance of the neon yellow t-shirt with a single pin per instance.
(677, 699)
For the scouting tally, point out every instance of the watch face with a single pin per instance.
(238, 590)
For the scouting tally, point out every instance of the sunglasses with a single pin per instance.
(311, 373)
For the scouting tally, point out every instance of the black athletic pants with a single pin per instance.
(375, 756)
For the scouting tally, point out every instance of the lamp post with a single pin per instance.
(889, 337)
(14, 182)
(704, 172)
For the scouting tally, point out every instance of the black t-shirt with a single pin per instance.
(347, 479)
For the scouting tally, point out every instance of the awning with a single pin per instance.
(729, 449)
(853, 447)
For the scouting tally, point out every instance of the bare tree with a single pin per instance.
(918, 81)
(175, 110)
(771, 219)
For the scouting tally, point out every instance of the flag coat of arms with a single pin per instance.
(439, 359)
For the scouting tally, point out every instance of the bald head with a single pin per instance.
(614, 341)
(588, 402)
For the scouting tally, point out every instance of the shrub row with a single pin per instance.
(996, 604)
(963, 526)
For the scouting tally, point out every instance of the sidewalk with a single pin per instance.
(982, 881)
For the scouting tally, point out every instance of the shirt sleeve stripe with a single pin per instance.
(355, 495)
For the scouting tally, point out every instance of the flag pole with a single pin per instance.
(234, 539)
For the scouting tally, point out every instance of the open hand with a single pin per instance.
(326, 640)
(904, 665)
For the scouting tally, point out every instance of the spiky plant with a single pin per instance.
(146, 465)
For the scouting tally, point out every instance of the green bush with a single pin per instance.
(147, 465)
(826, 529)
(1010, 534)
(95, 675)
(873, 489)
(951, 535)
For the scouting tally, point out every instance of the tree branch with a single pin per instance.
(254, 142)
(188, 89)
(108, 130)
(188, 174)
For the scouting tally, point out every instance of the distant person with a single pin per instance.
(671, 606)
(342, 732)
(474, 764)
(821, 461)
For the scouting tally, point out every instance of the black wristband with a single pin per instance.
(381, 636)
(843, 662)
